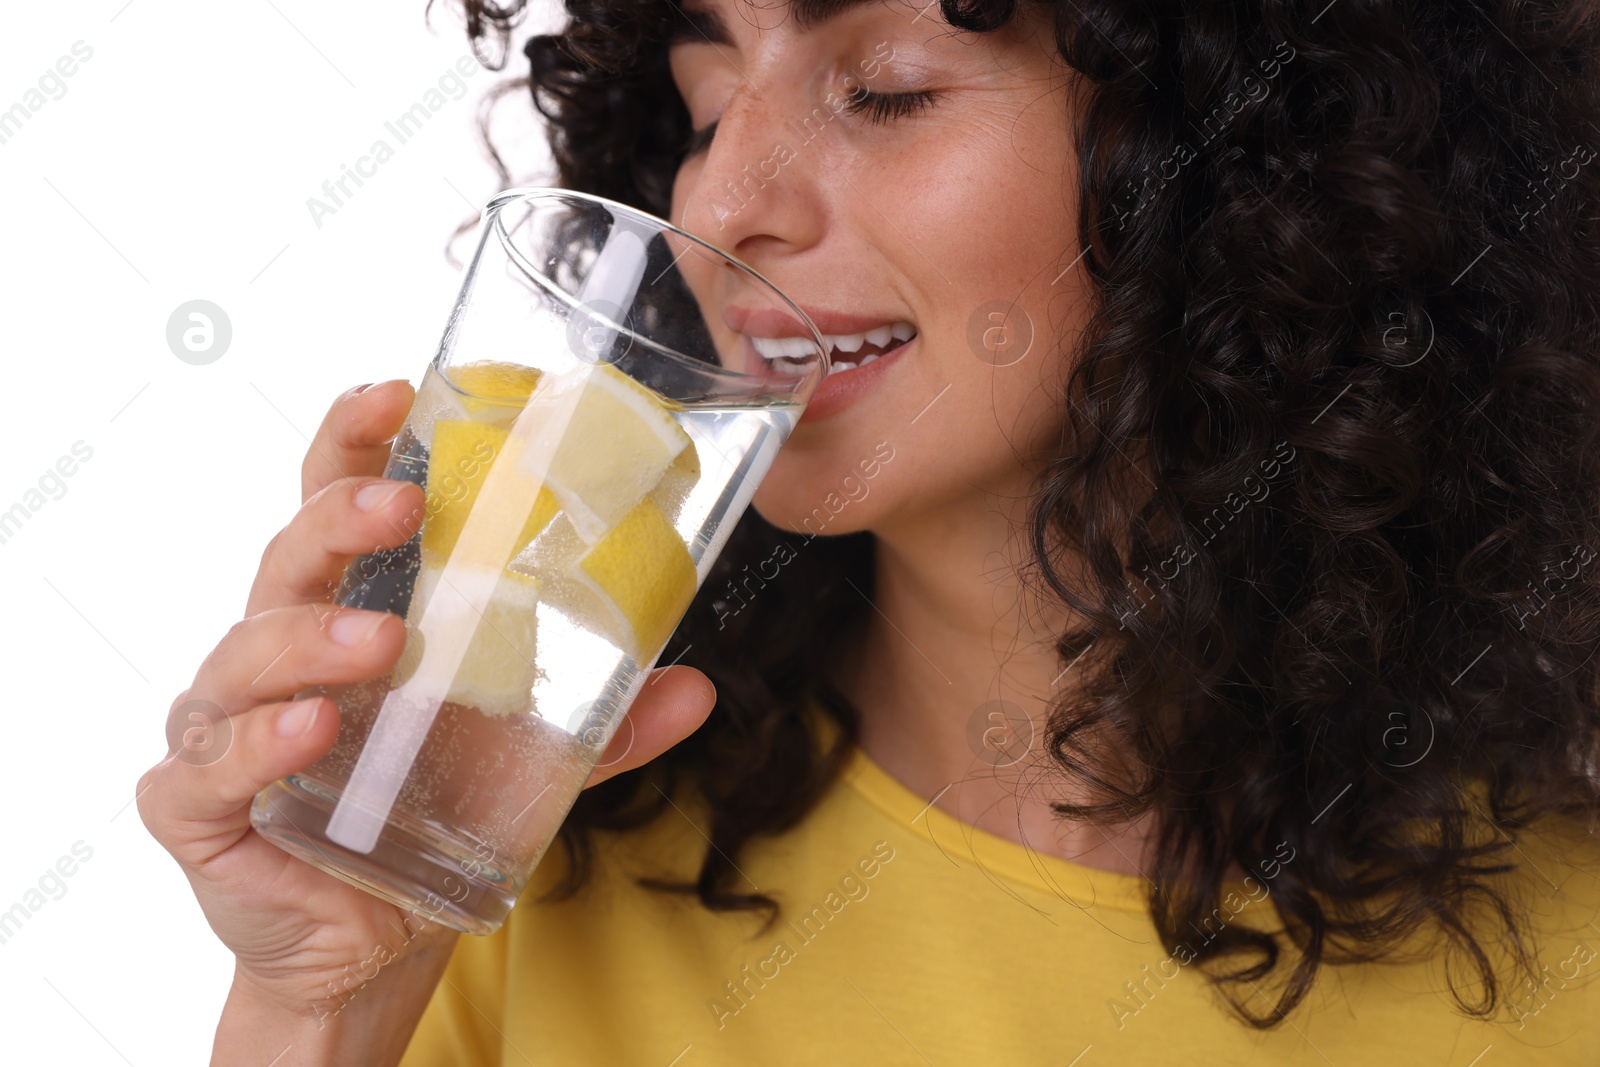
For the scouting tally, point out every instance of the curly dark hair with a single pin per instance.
(1342, 257)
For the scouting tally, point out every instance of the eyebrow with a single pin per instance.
(701, 24)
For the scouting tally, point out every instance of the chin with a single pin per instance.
(818, 521)
(813, 493)
(787, 506)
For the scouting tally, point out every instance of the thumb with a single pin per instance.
(673, 704)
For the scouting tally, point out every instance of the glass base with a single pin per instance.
(412, 866)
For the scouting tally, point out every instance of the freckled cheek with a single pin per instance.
(976, 233)
(999, 227)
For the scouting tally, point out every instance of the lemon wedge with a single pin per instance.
(673, 489)
(500, 666)
(459, 458)
(493, 391)
(630, 587)
(494, 380)
(486, 391)
(619, 443)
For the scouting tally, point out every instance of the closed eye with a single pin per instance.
(886, 107)
(877, 107)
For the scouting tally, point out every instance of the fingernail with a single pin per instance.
(374, 496)
(358, 390)
(355, 628)
(298, 717)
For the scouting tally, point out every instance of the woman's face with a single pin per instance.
(891, 174)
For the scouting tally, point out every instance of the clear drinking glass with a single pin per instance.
(595, 422)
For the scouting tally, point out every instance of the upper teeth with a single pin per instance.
(783, 347)
(799, 347)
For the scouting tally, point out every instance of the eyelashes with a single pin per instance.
(877, 108)
(887, 107)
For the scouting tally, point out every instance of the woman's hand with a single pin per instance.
(298, 933)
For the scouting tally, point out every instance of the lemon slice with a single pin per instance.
(500, 666)
(494, 380)
(459, 459)
(494, 391)
(673, 489)
(486, 391)
(620, 441)
(630, 587)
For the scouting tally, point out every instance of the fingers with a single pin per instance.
(673, 705)
(280, 652)
(305, 561)
(355, 435)
(198, 810)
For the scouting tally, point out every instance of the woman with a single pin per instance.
(1178, 643)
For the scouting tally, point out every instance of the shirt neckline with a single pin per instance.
(1079, 884)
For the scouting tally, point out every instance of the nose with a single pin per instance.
(756, 192)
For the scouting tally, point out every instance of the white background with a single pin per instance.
(176, 166)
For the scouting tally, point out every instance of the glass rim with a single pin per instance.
(716, 371)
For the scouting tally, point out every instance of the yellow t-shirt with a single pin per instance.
(909, 937)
